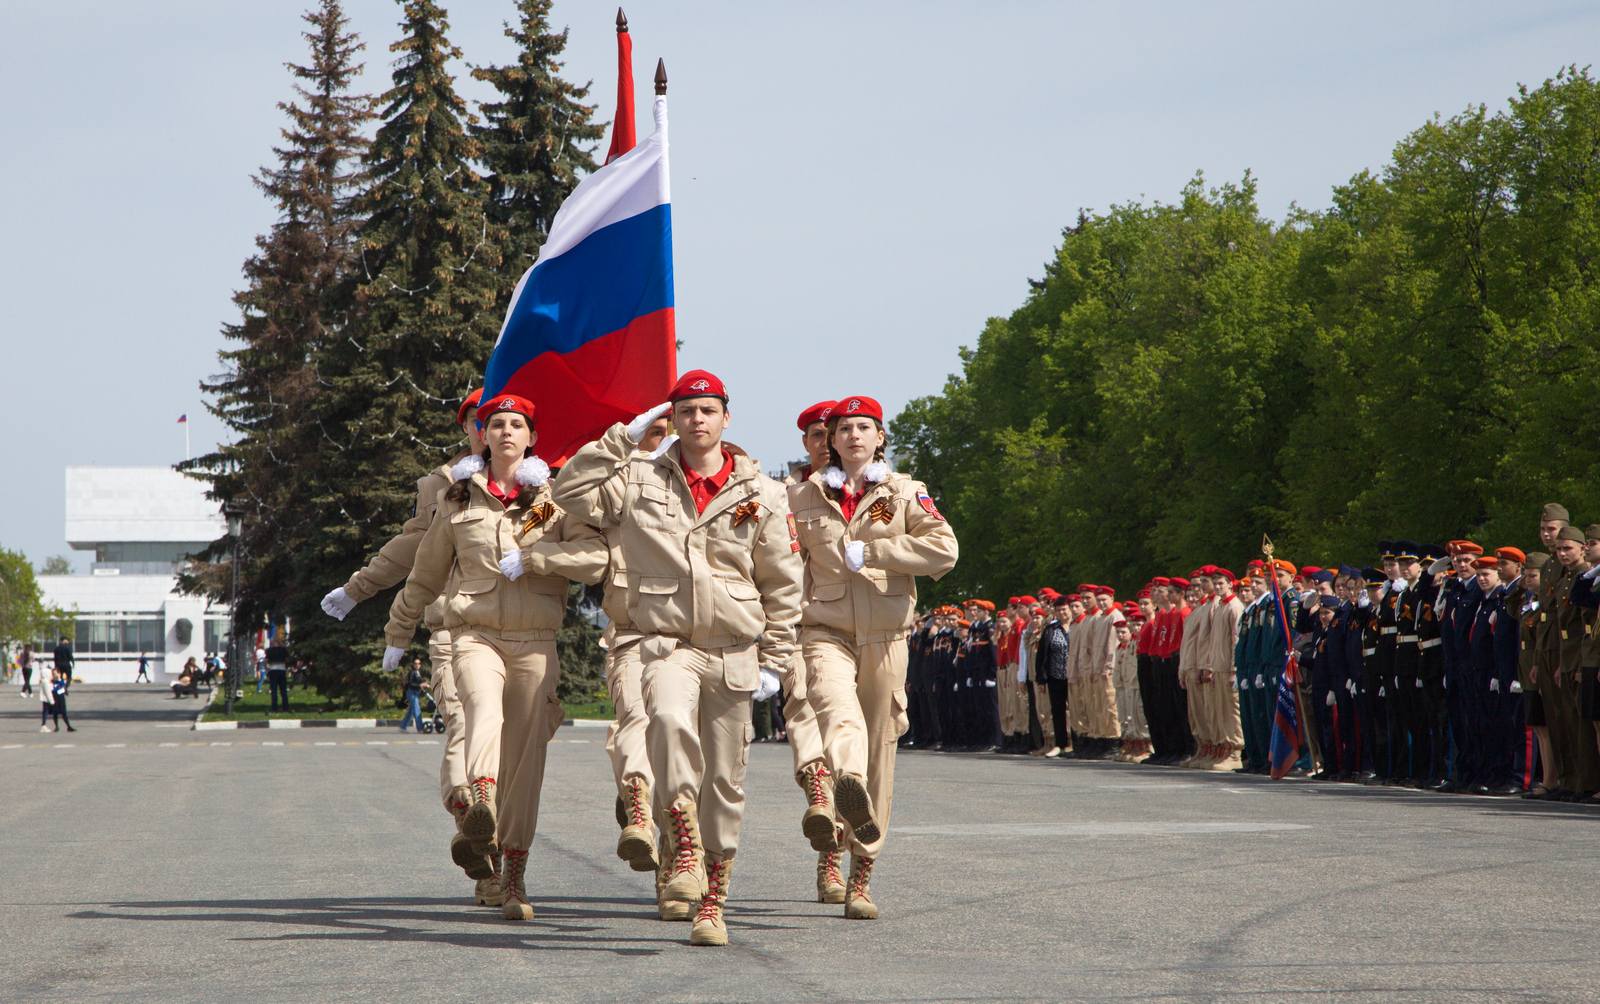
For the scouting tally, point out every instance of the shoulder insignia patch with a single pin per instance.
(928, 507)
(794, 534)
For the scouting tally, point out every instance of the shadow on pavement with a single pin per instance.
(101, 702)
(558, 922)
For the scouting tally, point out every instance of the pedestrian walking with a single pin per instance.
(415, 685)
(25, 663)
(60, 683)
(144, 669)
(277, 658)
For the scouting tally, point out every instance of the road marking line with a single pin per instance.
(272, 744)
(65, 746)
(167, 744)
(324, 744)
(116, 746)
(11, 746)
(375, 742)
(583, 742)
(222, 744)
(427, 742)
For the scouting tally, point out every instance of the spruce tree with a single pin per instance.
(538, 137)
(290, 310)
(425, 292)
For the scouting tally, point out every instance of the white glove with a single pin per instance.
(1260, 683)
(392, 657)
(969, 681)
(769, 685)
(1516, 686)
(666, 444)
(855, 555)
(338, 604)
(1350, 685)
(511, 564)
(1330, 702)
(1383, 692)
(1494, 685)
(641, 423)
(988, 683)
(1419, 684)
(1235, 682)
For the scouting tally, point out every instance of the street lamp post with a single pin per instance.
(235, 513)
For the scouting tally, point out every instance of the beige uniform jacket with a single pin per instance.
(904, 538)
(1105, 651)
(1127, 666)
(725, 577)
(1196, 637)
(393, 561)
(1222, 636)
(462, 550)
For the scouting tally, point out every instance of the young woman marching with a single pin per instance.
(500, 552)
(865, 533)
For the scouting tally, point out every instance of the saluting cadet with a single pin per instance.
(1379, 675)
(501, 552)
(713, 598)
(1457, 606)
(811, 771)
(1430, 740)
(389, 567)
(982, 707)
(865, 533)
(1406, 729)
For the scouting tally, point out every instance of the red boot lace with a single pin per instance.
(515, 864)
(483, 789)
(830, 869)
(716, 891)
(684, 860)
(860, 875)
(816, 789)
(637, 814)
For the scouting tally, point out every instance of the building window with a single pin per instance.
(118, 636)
(216, 634)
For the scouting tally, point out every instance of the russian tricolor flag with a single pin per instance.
(589, 337)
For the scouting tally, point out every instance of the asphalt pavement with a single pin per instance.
(143, 861)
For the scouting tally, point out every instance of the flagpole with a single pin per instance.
(187, 455)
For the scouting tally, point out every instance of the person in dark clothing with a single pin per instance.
(1052, 663)
(144, 669)
(415, 682)
(278, 676)
(60, 682)
(25, 663)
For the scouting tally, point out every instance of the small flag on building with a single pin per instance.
(183, 419)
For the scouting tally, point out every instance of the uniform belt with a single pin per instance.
(1409, 639)
(1389, 630)
(1430, 643)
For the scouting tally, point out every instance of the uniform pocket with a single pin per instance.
(902, 720)
(556, 714)
(741, 668)
(654, 507)
(475, 603)
(827, 592)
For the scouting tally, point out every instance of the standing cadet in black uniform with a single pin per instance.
(983, 706)
(1405, 724)
(1457, 607)
(1327, 671)
(1432, 739)
(1379, 669)
(944, 652)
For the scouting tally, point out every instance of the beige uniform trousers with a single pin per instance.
(1041, 711)
(1010, 721)
(1200, 720)
(453, 769)
(859, 693)
(805, 735)
(508, 695)
(697, 734)
(1099, 695)
(1131, 710)
(625, 739)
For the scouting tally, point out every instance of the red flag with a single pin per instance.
(623, 137)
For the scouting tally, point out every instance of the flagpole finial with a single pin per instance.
(1266, 546)
(661, 76)
(622, 22)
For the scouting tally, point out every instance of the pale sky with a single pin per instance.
(856, 186)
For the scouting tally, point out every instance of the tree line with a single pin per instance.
(369, 309)
(1416, 360)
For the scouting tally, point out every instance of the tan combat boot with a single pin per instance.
(669, 909)
(858, 904)
(637, 845)
(686, 874)
(515, 905)
(458, 803)
(818, 824)
(855, 805)
(479, 822)
(487, 892)
(474, 863)
(709, 926)
(830, 884)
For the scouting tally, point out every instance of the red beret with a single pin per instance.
(1467, 547)
(1284, 566)
(1487, 561)
(816, 413)
(1224, 572)
(506, 402)
(1511, 554)
(1144, 594)
(1310, 570)
(1181, 583)
(1028, 601)
(1074, 597)
(1161, 580)
(469, 405)
(984, 604)
(856, 406)
(698, 383)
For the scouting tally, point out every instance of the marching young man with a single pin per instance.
(865, 532)
(713, 597)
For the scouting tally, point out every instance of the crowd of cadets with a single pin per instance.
(1452, 668)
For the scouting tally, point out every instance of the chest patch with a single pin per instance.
(882, 511)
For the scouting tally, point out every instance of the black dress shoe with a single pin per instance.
(1321, 775)
(1480, 789)
(1506, 789)
(1365, 777)
(1445, 787)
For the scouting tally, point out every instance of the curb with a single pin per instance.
(341, 723)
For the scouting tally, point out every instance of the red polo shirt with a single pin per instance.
(494, 490)
(703, 489)
(848, 502)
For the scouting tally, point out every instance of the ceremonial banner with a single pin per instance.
(589, 336)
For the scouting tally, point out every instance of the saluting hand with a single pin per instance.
(641, 422)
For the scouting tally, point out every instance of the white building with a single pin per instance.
(140, 522)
